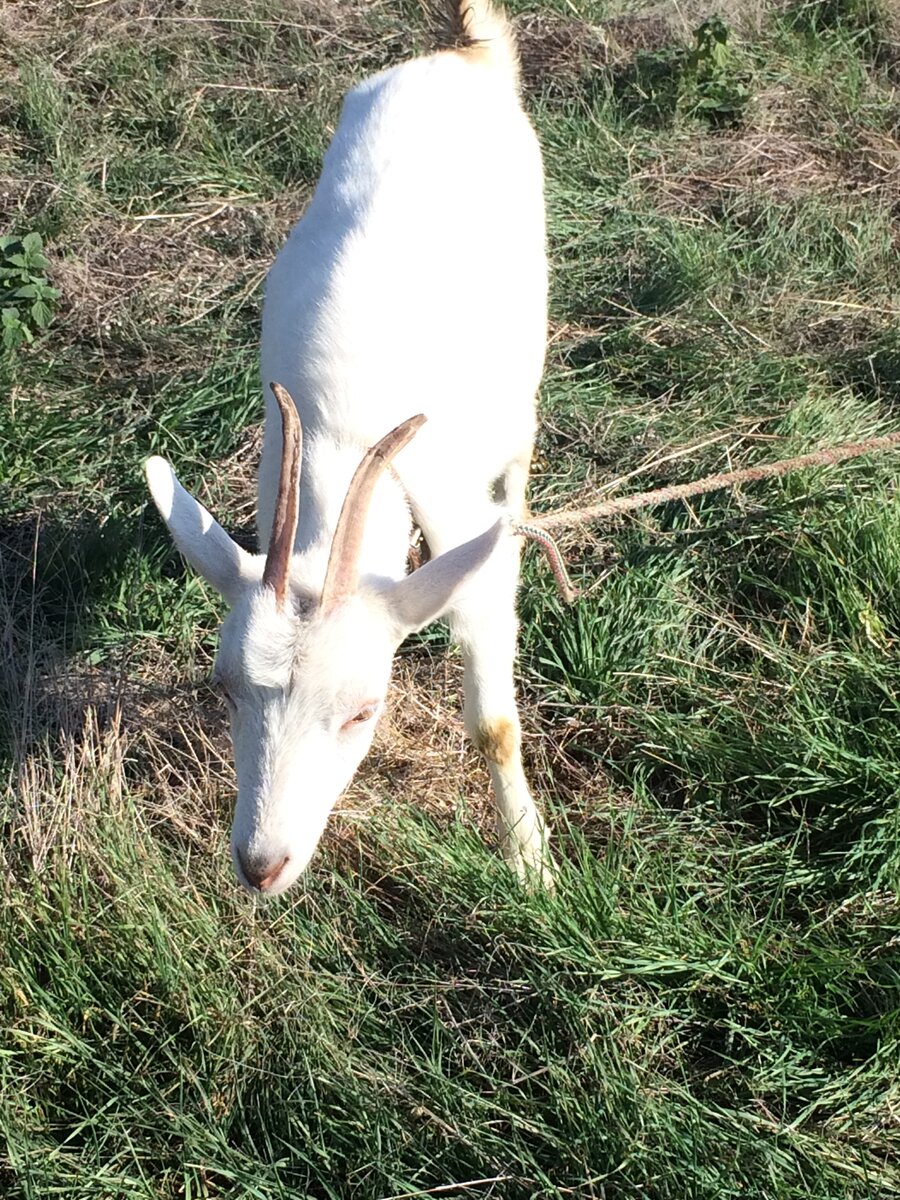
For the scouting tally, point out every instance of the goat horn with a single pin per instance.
(343, 561)
(284, 526)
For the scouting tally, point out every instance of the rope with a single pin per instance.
(710, 483)
(567, 589)
(538, 529)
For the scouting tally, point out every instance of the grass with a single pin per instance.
(709, 1007)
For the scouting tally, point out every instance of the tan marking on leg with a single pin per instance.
(497, 740)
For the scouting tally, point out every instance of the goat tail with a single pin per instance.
(481, 32)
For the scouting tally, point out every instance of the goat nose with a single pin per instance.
(261, 873)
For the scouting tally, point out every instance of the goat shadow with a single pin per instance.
(77, 648)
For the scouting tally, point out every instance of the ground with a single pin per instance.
(708, 1005)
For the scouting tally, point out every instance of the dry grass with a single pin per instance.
(773, 161)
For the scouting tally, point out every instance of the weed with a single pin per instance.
(714, 88)
(27, 301)
(705, 82)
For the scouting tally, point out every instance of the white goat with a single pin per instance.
(415, 283)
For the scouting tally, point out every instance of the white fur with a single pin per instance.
(415, 282)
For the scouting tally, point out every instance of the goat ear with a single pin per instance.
(202, 541)
(421, 597)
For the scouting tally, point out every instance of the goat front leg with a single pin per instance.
(484, 622)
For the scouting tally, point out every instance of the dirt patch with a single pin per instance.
(228, 488)
(559, 55)
(709, 172)
(562, 56)
(807, 332)
(421, 752)
(626, 36)
(873, 165)
(141, 275)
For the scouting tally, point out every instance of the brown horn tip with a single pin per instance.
(341, 575)
(287, 504)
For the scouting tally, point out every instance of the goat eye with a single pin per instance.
(366, 713)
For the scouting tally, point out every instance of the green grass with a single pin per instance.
(709, 1006)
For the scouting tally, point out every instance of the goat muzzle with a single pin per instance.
(262, 873)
